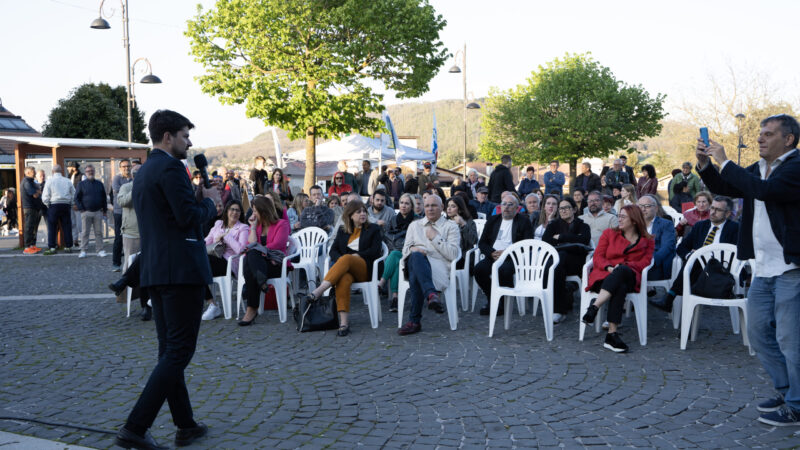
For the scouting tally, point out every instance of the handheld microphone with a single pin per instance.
(201, 163)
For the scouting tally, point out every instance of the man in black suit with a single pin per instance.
(501, 180)
(175, 271)
(500, 232)
(717, 229)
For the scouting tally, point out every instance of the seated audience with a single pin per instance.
(356, 246)
(702, 201)
(379, 212)
(663, 234)
(597, 219)
(232, 233)
(549, 213)
(339, 187)
(619, 259)
(680, 195)
(457, 212)
(300, 203)
(317, 214)
(482, 203)
(395, 238)
(532, 207)
(627, 196)
(335, 204)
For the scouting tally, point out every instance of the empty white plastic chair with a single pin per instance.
(311, 240)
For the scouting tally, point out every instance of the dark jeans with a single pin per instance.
(32, 218)
(420, 283)
(116, 253)
(257, 270)
(483, 275)
(218, 268)
(176, 311)
(568, 264)
(618, 283)
(131, 279)
(59, 215)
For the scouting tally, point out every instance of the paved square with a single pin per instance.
(81, 361)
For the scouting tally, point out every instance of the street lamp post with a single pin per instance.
(471, 105)
(102, 24)
(739, 118)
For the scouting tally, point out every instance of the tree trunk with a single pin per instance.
(573, 172)
(310, 178)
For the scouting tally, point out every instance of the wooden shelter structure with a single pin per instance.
(63, 150)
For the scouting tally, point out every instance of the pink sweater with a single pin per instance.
(235, 241)
(277, 236)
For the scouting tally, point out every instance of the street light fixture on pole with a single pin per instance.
(470, 105)
(102, 24)
(739, 118)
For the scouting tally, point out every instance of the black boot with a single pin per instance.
(663, 303)
(119, 286)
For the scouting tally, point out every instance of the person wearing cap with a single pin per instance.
(482, 203)
(427, 177)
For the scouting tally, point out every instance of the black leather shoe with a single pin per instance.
(147, 314)
(118, 286)
(129, 439)
(485, 311)
(591, 313)
(247, 323)
(186, 436)
(343, 331)
(663, 303)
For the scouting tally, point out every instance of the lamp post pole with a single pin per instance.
(464, 81)
(126, 42)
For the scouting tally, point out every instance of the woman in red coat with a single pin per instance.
(619, 259)
(339, 187)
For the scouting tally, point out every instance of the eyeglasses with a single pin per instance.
(338, 178)
(236, 210)
(647, 206)
(718, 209)
(565, 208)
(507, 204)
(622, 216)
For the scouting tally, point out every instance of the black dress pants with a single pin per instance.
(218, 268)
(619, 283)
(116, 250)
(568, 264)
(176, 311)
(483, 275)
(257, 270)
(32, 218)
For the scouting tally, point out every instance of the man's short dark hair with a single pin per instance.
(587, 164)
(788, 126)
(727, 200)
(530, 169)
(597, 193)
(380, 192)
(264, 160)
(314, 187)
(555, 161)
(570, 201)
(625, 157)
(166, 121)
(505, 159)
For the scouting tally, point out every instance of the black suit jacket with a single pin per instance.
(369, 245)
(170, 224)
(521, 229)
(697, 236)
(500, 181)
(592, 185)
(779, 194)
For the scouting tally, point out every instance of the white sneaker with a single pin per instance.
(558, 318)
(82, 255)
(212, 312)
(102, 253)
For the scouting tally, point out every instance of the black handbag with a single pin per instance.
(715, 281)
(316, 315)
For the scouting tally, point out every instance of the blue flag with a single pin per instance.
(435, 142)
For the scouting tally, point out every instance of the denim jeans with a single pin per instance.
(773, 309)
(420, 283)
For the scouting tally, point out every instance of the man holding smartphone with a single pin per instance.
(768, 236)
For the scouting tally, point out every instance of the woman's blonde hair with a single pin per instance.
(298, 202)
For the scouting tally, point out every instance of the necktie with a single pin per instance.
(710, 238)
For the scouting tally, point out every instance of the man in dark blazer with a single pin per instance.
(500, 232)
(768, 235)
(663, 233)
(587, 181)
(717, 229)
(175, 271)
(501, 180)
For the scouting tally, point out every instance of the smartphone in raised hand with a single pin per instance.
(704, 135)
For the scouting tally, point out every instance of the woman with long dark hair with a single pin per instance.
(230, 232)
(549, 213)
(619, 259)
(457, 212)
(270, 231)
(279, 184)
(648, 183)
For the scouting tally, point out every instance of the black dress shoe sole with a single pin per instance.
(198, 432)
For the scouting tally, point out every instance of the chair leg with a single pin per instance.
(535, 306)
(401, 302)
(641, 321)
(280, 297)
(687, 311)
(585, 301)
(493, 306)
(734, 310)
(452, 305)
(521, 305)
(696, 322)
(508, 308)
(369, 299)
(474, 292)
(745, 337)
(547, 315)
(130, 293)
(676, 312)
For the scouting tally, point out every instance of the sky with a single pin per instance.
(669, 47)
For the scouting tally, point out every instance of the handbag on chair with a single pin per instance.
(316, 315)
(715, 281)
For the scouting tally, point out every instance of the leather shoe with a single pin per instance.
(485, 311)
(186, 436)
(409, 328)
(147, 314)
(662, 303)
(129, 439)
(118, 286)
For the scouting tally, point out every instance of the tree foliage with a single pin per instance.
(309, 66)
(95, 111)
(571, 108)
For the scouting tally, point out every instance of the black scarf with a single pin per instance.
(404, 222)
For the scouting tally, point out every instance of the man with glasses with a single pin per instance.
(318, 214)
(123, 177)
(769, 228)
(500, 232)
(597, 219)
(718, 228)
(663, 232)
(90, 197)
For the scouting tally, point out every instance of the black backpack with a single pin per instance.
(715, 281)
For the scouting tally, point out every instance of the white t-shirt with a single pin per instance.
(504, 235)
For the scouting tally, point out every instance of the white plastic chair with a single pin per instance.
(369, 289)
(225, 285)
(130, 289)
(449, 293)
(530, 257)
(637, 299)
(482, 216)
(280, 284)
(690, 308)
(463, 275)
(667, 284)
(311, 240)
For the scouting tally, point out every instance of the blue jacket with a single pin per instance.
(697, 236)
(778, 192)
(554, 181)
(29, 188)
(170, 224)
(486, 207)
(527, 186)
(91, 196)
(664, 235)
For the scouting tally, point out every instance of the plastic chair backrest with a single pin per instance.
(531, 258)
(724, 253)
(479, 224)
(309, 238)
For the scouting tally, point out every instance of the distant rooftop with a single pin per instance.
(14, 125)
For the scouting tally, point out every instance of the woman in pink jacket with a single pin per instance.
(269, 230)
(231, 232)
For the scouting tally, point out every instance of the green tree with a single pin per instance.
(572, 108)
(95, 111)
(309, 66)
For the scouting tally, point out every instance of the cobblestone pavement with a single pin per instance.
(81, 361)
